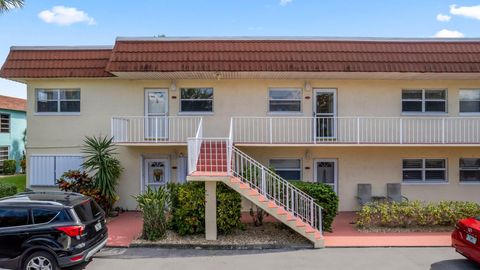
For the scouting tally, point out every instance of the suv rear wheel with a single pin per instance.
(40, 260)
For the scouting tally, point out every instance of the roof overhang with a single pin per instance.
(296, 75)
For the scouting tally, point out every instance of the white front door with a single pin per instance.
(326, 172)
(156, 111)
(156, 172)
(325, 105)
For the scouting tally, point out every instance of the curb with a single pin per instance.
(221, 247)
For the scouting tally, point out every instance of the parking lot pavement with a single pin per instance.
(333, 258)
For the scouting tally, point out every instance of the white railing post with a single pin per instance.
(401, 130)
(271, 130)
(443, 130)
(358, 130)
(314, 135)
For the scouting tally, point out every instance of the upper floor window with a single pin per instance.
(288, 169)
(424, 170)
(4, 123)
(469, 100)
(196, 100)
(285, 100)
(424, 101)
(469, 170)
(58, 100)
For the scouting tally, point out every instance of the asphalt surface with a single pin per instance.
(331, 258)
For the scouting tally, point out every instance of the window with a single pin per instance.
(424, 170)
(45, 169)
(58, 100)
(3, 155)
(424, 101)
(469, 100)
(285, 100)
(10, 217)
(196, 100)
(469, 170)
(43, 215)
(4, 123)
(289, 169)
(87, 211)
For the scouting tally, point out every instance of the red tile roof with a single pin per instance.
(250, 55)
(56, 63)
(11, 103)
(296, 56)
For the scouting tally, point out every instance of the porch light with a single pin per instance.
(307, 86)
(173, 86)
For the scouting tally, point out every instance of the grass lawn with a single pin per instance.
(18, 180)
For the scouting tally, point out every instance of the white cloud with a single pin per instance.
(62, 15)
(285, 2)
(472, 12)
(445, 33)
(443, 18)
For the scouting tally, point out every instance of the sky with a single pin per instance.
(99, 22)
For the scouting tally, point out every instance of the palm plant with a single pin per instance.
(100, 161)
(154, 204)
(6, 5)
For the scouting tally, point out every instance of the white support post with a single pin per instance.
(210, 210)
(358, 130)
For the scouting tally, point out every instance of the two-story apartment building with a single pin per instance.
(13, 123)
(337, 111)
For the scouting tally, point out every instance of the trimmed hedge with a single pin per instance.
(188, 208)
(415, 214)
(7, 190)
(9, 166)
(325, 197)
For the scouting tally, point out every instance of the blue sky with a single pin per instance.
(94, 22)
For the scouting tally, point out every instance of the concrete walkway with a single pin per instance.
(128, 227)
(123, 229)
(346, 235)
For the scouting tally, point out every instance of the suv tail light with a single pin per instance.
(72, 231)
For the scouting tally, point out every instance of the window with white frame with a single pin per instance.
(58, 101)
(424, 170)
(289, 169)
(424, 101)
(284, 100)
(45, 170)
(4, 123)
(469, 100)
(3, 155)
(196, 100)
(469, 170)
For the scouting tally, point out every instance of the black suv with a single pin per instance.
(48, 230)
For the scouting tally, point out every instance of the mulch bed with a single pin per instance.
(268, 236)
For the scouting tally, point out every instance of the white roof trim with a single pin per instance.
(67, 48)
(298, 38)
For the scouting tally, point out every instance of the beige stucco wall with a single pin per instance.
(103, 98)
(379, 166)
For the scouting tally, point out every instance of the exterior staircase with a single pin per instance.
(217, 159)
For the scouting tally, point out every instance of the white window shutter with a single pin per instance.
(66, 163)
(45, 170)
(42, 171)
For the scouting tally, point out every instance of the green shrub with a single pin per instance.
(415, 214)
(325, 197)
(9, 166)
(188, 208)
(153, 204)
(7, 190)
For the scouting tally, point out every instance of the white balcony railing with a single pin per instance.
(355, 130)
(162, 129)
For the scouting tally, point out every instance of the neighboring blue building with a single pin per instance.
(13, 123)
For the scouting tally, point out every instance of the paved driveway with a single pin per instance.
(333, 258)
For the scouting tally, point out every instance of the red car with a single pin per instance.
(466, 238)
